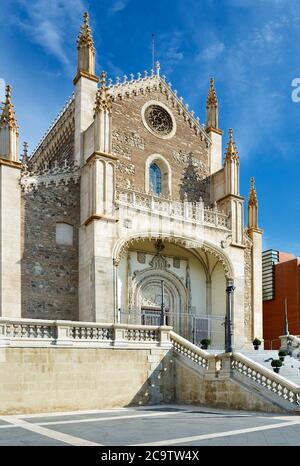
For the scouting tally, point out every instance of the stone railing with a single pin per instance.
(34, 332)
(291, 343)
(226, 365)
(193, 353)
(189, 211)
(265, 378)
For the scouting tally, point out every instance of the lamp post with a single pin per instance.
(162, 311)
(228, 319)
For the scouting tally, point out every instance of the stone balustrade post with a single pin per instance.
(284, 339)
(225, 369)
(119, 336)
(164, 337)
(4, 339)
(63, 336)
(212, 367)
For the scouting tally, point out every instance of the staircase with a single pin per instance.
(290, 368)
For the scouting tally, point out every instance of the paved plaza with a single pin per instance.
(168, 425)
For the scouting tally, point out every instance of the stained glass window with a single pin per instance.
(155, 179)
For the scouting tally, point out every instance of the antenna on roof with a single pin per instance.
(153, 50)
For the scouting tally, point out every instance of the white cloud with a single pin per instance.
(118, 5)
(169, 52)
(49, 24)
(212, 51)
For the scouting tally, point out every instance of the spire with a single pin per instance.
(212, 100)
(85, 35)
(103, 99)
(8, 117)
(212, 107)
(25, 158)
(102, 118)
(231, 151)
(252, 201)
(85, 51)
(8, 130)
(252, 206)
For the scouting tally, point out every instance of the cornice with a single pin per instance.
(84, 74)
(11, 163)
(107, 218)
(101, 155)
(210, 129)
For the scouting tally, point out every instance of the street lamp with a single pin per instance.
(162, 311)
(228, 319)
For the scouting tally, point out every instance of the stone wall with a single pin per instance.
(49, 272)
(63, 379)
(133, 144)
(192, 388)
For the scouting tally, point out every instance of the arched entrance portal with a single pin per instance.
(194, 281)
(148, 286)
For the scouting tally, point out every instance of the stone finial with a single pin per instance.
(103, 99)
(85, 35)
(157, 65)
(25, 157)
(212, 100)
(8, 117)
(252, 207)
(252, 200)
(212, 115)
(85, 52)
(231, 151)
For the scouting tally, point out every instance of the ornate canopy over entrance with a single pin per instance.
(190, 285)
(123, 244)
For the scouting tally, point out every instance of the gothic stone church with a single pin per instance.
(127, 202)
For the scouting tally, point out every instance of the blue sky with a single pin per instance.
(251, 47)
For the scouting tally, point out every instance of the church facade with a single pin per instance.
(128, 212)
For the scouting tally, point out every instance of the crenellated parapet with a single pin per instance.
(49, 176)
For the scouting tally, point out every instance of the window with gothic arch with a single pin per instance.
(155, 178)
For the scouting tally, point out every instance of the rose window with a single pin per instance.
(159, 120)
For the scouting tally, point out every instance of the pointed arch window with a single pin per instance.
(155, 178)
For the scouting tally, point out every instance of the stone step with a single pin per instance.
(290, 369)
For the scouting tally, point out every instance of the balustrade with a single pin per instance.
(189, 211)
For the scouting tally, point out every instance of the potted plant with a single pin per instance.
(205, 343)
(282, 354)
(256, 343)
(276, 364)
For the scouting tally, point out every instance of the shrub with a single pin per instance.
(283, 353)
(256, 342)
(205, 342)
(276, 363)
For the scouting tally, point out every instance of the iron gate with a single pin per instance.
(190, 326)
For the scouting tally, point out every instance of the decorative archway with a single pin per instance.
(146, 296)
(123, 244)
